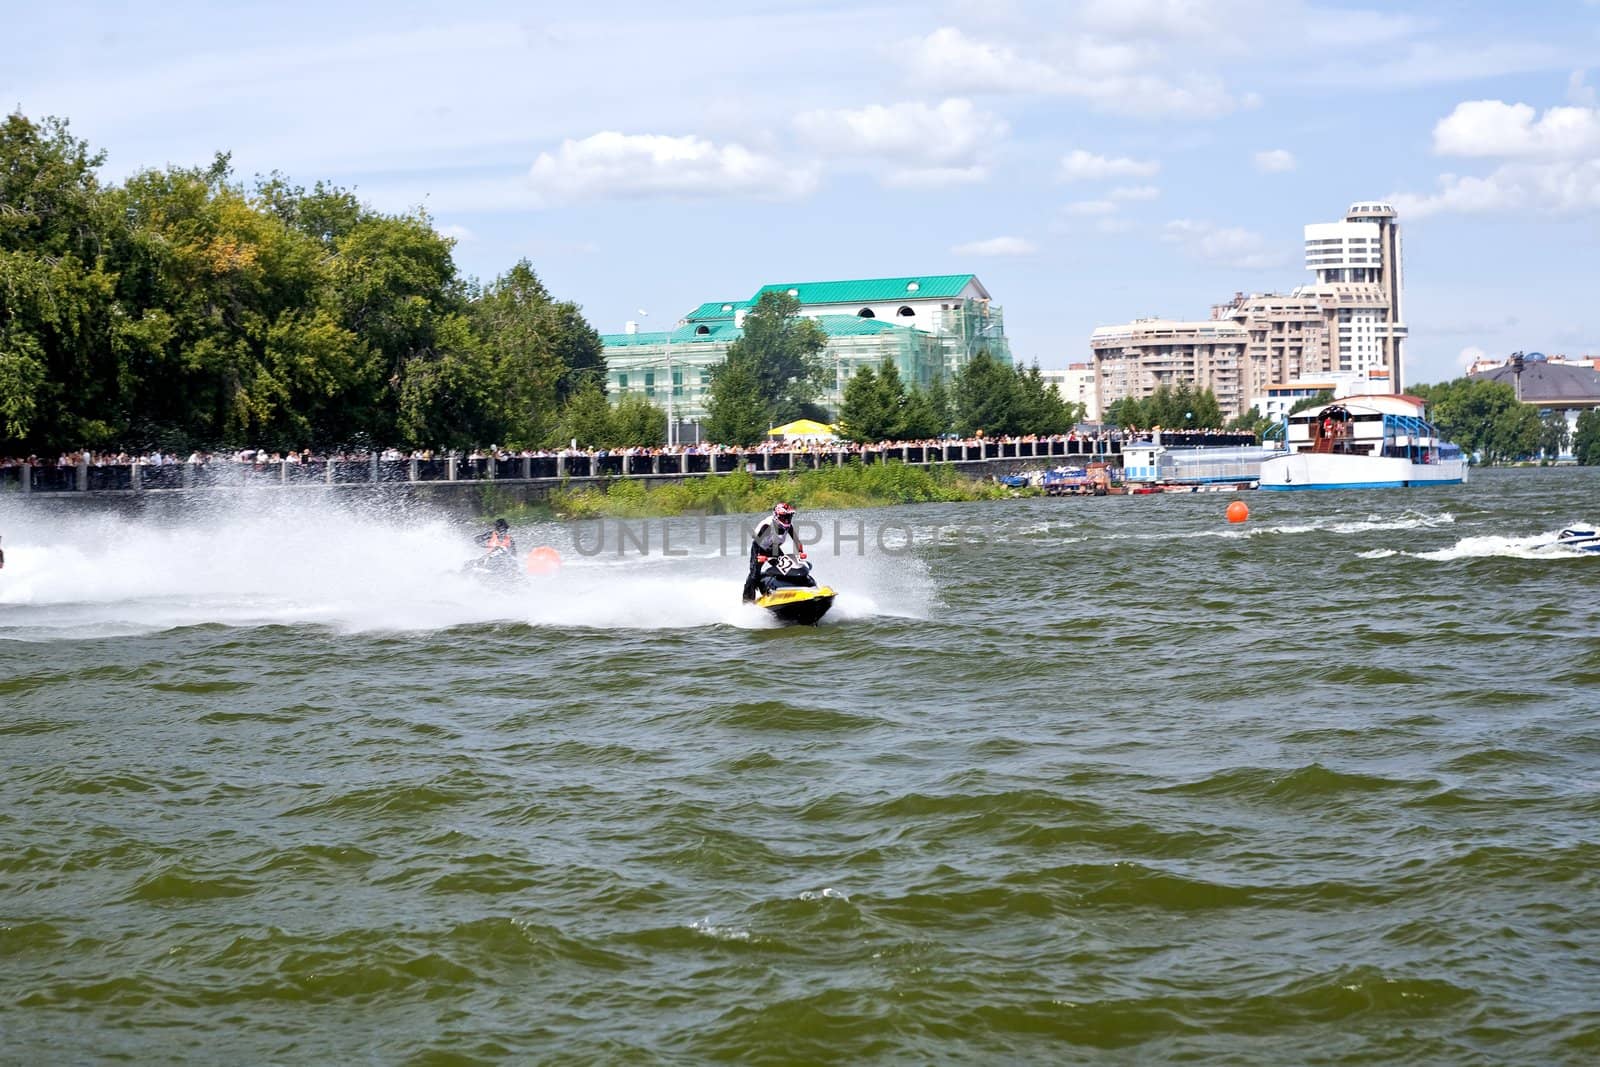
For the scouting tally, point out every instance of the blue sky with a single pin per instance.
(1091, 162)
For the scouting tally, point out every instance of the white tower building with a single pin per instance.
(1358, 271)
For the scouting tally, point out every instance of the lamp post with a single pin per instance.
(1516, 372)
(671, 423)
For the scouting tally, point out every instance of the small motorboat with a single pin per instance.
(787, 589)
(1580, 538)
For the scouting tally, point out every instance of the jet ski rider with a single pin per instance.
(497, 541)
(768, 542)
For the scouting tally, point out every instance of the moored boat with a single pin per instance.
(1364, 442)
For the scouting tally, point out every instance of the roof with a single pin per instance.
(869, 290)
(1550, 382)
(687, 334)
(856, 326)
(718, 309)
(1383, 403)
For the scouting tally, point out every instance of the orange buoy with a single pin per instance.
(543, 560)
(1238, 511)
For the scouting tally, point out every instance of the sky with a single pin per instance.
(1091, 162)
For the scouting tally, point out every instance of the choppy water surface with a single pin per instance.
(1060, 778)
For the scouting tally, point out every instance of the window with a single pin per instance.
(866, 313)
(702, 330)
(906, 312)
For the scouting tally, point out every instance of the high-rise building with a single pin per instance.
(1348, 323)
(1358, 269)
(1137, 359)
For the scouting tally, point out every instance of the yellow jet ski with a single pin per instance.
(787, 589)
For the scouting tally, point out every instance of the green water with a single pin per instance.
(1060, 780)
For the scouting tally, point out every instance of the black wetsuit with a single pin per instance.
(768, 541)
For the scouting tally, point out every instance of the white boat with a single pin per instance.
(1364, 442)
(1580, 538)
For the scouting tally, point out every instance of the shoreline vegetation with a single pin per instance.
(851, 486)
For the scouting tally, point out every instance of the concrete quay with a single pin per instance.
(518, 479)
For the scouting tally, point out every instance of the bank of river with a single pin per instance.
(1057, 780)
(852, 486)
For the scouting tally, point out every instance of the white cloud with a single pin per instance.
(1579, 91)
(1090, 208)
(1079, 165)
(1470, 355)
(1224, 246)
(1114, 76)
(996, 246)
(1550, 163)
(458, 234)
(952, 62)
(1274, 161)
(1496, 128)
(951, 132)
(924, 146)
(1562, 187)
(1134, 192)
(612, 164)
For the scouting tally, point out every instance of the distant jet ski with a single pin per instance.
(787, 589)
(1585, 540)
(497, 567)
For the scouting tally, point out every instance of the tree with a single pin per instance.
(1554, 434)
(986, 397)
(1318, 400)
(1042, 408)
(927, 412)
(517, 324)
(58, 381)
(578, 348)
(1483, 417)
(1586, 438)
(1251, 422)
(780, 350)
(585, 419)
(636, 421)
(874, 404)
(736, 414)
(180, 309)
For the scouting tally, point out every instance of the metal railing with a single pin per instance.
(338, 473)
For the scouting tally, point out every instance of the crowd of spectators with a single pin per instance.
(263, 457)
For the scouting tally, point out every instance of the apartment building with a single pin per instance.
(1346, 323)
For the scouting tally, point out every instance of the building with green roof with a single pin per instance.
(929, 325)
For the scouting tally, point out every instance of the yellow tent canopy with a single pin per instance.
(801, 429)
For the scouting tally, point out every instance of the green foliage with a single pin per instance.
(927, 412)
(1318, 400)
(1586, 438)
(736, 414)
(986, 397)
(873, 405)
(1180, 408)
(180, 309)
(1001, 398)
(1042, 409)
(781, 350)
(1248, 421)
(852, 485)
(636, 421)
(1554, 434)
(586, 419)
(1484, 418)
